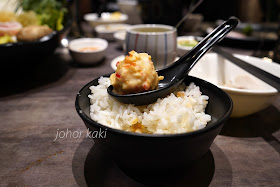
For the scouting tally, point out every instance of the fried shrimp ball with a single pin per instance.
(135, 74)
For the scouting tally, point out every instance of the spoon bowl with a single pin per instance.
(176, 72)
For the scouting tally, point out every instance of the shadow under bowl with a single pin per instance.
(158, 151)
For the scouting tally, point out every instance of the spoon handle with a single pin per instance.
(259, 73)
(186, 62)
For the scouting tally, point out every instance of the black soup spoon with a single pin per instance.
(176, 72)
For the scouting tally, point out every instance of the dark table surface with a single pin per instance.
(38, 103)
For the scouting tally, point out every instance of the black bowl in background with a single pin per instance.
(260, 42)
(134, 150)
(22, 52)
(26, 54)
(249, 43)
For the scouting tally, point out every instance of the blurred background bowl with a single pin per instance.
(24, 51)
(135, 150)
(21, 54)
(120, 37)
(107, 31)
(21, 57)
(251, 36)
(249, 94)
(106, 18)
(185, 43)
(88, 51)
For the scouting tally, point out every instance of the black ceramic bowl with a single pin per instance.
(26, 54)
(259, 39)
(134, 150)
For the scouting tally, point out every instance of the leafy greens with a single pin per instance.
(49, 12)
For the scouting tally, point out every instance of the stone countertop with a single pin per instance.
(38, 102)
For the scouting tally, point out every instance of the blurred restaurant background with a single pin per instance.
(264, 15)
(258, 30)
(171, 11)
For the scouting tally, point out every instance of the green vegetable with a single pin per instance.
(188, 43)
(247, 30)
(50, 12)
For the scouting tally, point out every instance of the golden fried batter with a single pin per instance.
(135, 74)
(33, 32)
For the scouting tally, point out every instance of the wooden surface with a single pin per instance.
(34, 105)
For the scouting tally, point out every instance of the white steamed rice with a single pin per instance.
(169, 115)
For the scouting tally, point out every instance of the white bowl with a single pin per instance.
(97, 48)
(106, 18)
(120, 37)
(183, 49)
(255, 95)
(107, 31)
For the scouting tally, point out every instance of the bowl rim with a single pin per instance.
(30, 43)
(248, 92)
(118, 33)
(179, 38)
(81, 40)
(215, 125)
(171, 30)
(99, 28)
(92, 17)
